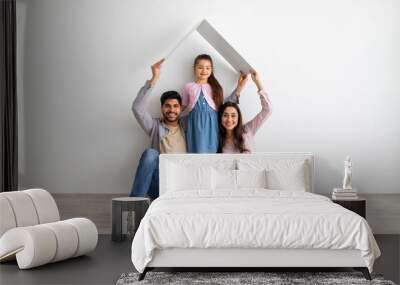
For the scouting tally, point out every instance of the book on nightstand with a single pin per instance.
(344, 194)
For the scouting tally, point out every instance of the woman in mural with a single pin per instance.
(236, 137)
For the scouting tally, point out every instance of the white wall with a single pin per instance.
(331, 68)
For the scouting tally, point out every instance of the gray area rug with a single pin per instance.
(270, 278)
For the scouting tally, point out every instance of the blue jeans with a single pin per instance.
(146, 179)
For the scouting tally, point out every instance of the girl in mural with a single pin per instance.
(236, 137)
(202, 99)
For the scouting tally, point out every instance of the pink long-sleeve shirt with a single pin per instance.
(191, 93)
(251, 127)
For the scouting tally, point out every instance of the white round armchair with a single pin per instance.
(31, 230)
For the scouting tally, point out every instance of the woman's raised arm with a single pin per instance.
(266, 108)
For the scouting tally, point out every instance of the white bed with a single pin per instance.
(214, 211)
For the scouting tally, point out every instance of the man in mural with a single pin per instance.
(167, 134)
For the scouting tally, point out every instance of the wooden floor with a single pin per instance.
(111, 259)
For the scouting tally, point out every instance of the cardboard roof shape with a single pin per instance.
(217, 41)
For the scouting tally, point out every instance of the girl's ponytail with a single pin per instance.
(218, 95)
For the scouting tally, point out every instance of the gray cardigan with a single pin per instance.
(155, 127)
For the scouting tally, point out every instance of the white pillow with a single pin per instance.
(282, 174)
(224, 179)
(251, 178)
(287, 179)
(182, 177)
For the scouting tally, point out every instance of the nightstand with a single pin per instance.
(358, 206)
(136, 205)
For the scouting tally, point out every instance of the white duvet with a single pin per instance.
(251, 218)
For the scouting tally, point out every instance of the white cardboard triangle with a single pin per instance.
(217, 41)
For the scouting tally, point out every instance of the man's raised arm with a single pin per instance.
(144, 118)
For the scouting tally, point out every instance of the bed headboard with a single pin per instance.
(215, 159)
